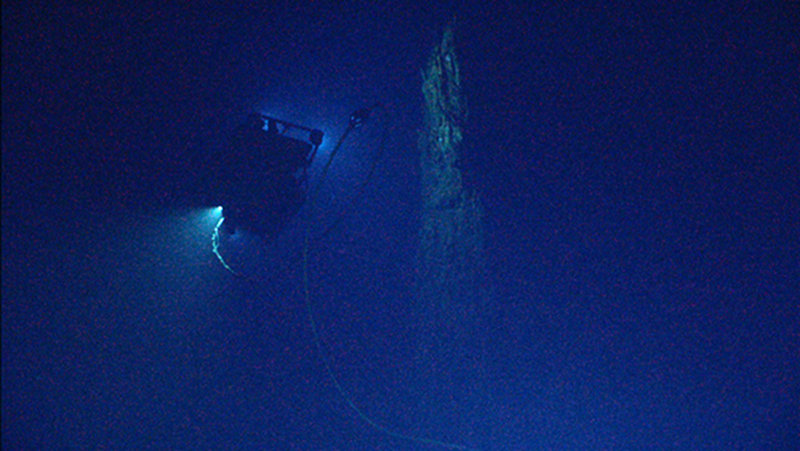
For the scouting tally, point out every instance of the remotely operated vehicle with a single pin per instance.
(263, 182)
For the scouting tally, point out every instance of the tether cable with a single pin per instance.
(315, 331)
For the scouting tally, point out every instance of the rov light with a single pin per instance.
(210, 215)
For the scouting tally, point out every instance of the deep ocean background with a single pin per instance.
(638, 165)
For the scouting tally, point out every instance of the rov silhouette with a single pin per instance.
(264, 181)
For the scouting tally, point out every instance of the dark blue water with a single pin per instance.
(638, 167)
